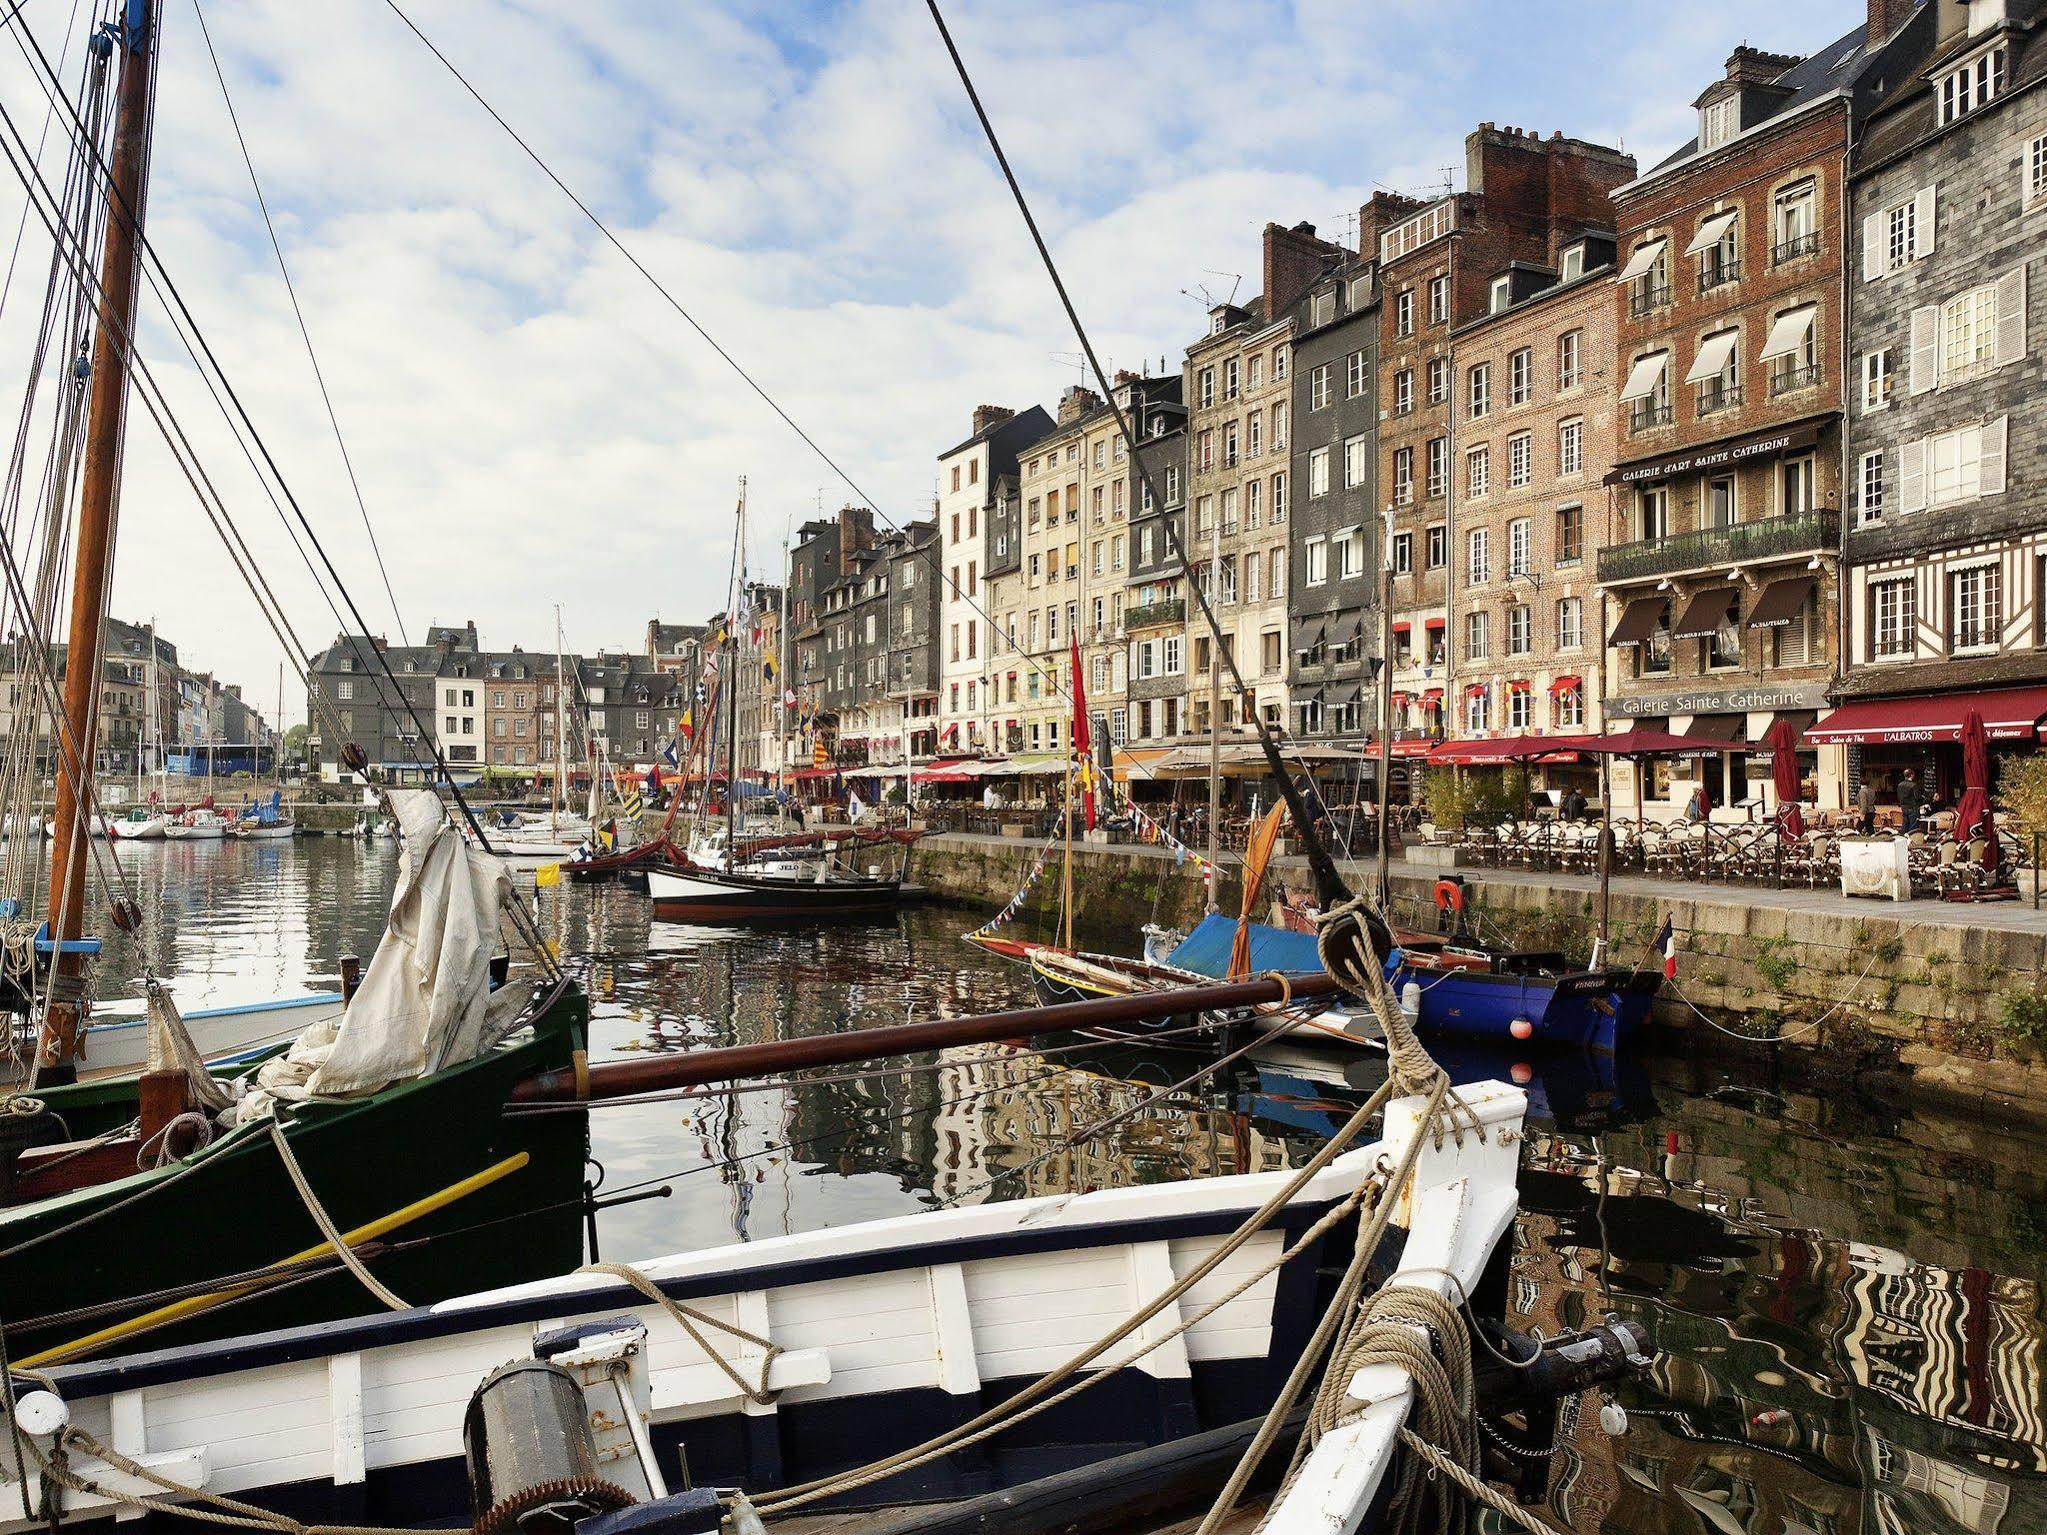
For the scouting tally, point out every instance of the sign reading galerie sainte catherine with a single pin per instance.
(1718, 455)
(1751, 700)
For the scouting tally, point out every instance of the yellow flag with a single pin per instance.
(547, 876)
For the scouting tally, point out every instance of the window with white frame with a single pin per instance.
(1403, 312)
(1439, 300)
(1796, 220)
(1403, 554)
(1501, 294)
(1439, 380)
(1975, 81)
(1170, 656)
(1869, 503)
(1254, 501)
(1254, 433)
(1954, 466)
(1520, 459)
(1901, 234)
(1478, 711)
(1570, 629)
(1355, 375)
(1570, 347)
(1478, 635)
(1975, 608)
(1350, 552)
(1318, 472)
(1891, 619)
(1520, 630)
(1521, 376)
(1403, 476)
(1403, 391)
(1279, 356)
(1520, 707)
(2033, 168)
(1206, 382)
(1478, 556)
(1653, 511)
(1318, 385)
(1439, 466)
(1480, 390)
(1478, 472)
(1520, 546)
(1571, 446)
(1968, 334)
(1568, 702)
(1876, 379)
(1795, 485)
(1356, 461)
(1719, 121)
(1573, 263)
(1278, 499)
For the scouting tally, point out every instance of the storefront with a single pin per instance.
(1735, 726)
(1883, 738)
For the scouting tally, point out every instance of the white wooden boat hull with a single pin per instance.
(150, 830)
(889, 1330)
(281, 831)
(205, 831)
(117, 1039)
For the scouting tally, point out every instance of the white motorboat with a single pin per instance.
(140, 826)
(96, 826)
(196, 826)
(261, 831)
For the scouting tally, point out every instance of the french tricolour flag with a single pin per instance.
(1666, 945)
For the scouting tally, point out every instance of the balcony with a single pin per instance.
(1649, 415)
(1716, 397)
(1808, 532)
(1787, 380)
(1795, 247)
(1719, 276)
(1171, 611)
(1646, 298)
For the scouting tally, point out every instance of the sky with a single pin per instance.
(531, 425)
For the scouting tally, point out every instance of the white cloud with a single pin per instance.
(531, 425)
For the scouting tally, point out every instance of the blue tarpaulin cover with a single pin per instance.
(1206, 950)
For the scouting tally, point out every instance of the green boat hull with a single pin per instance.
(234, 1208)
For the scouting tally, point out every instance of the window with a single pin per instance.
(1278, 425)
(1356, 461)
(1718, 247)
(1354, 375)
(1207, 386)
(1229, 383)
(1653, 512)
(1955, 467)
(1571, 446)
(1521, 376)
(1278, 366)
(1520, 459)
(1795, 485)
(344, 690)
(1403, 476)
(1520, 707)
(1723, 646)
(1716, 372)
(1439, 380)
(1172, 484)
(1316, 552)
(1520, 631)
(1792, 350)
(1350, 551)
(1252, 502)
(1796, 222)
(1478, 556)
(1719, 121)
(1520, 542)
(1318, 386)
(1439, 466)
(1318, 472)
(1876, 380)
(1869, 505)
(1403, 313)
(1403, 554)
(1481, 390)
(1403, 391)
(1968, 333)
(1478, 472)
(1570, 347)
(1229, 455)
(1204, 452)
(1891, 619)
(2033, 167)
(1500, 295)
(1278, 499)
(1478, 705)
(1976, 81)
(1439, 300)
(1974, 607)
(1574, 263)
(1720, 503)
(1172, 646)
(1648, 271)
(1478, 635)
(1570, 543)
(1570, 623)
(1438, 546)
(1254, 433)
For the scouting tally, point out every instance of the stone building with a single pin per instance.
(1528, 201)
(970, 479)
(1333, 602)
(1945, 588)
(825, 551)
(1531, 504)
(1155, 605)
(911, 669)
(1724, 523)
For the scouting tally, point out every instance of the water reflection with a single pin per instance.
(1847, 1299)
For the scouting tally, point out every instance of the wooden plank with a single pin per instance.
(1151, 1275)
(750, 1311)
(186, 1467)
(952, 1331)
(345, 1418)
(128, 1432)
(704, 1384)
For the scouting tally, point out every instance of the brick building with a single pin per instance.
(1724, 521)
(1531, 503)
(1946, 548)
(1527, 202)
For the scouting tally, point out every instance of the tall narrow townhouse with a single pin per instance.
(1240, 414)
(1535, 444)
(1155, 605)
(1946, 584)
(1526, 200)
(1722, 547)
(1054, 486)
(968, 475)
(1333, 595)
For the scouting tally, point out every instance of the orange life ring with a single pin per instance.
(1449, 896)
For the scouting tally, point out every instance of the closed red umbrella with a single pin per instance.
(1784, 778)
(1972, 815)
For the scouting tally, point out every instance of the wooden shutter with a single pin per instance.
(1872, 247)
(1912, 476)
(1925, 371)
(2011, 316)
(1990, 460)
(1922, 223)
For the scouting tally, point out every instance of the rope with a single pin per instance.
(689, 1317)
(325, 1222)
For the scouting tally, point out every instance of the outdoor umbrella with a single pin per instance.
(1972, 816)
(1784, 778)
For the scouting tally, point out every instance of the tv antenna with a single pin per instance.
(1207, 296)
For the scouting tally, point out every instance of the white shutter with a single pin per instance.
(1922, 224)
(1912, 476)
(1925, 375)
(1872, 247)
(1990, 459)
(2011, 316)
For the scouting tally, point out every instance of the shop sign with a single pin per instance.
(1717, 455)
(1750, 700)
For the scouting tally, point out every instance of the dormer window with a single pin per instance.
(1973, 83)
(1502, 293)
(1215, 324)
(1719, 121)
(1574, 262)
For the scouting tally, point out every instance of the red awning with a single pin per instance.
(1566, 685)
(1520, 685)
(1401, 695)
(1402, 627)
(2009, 714)
(945, 772)
(1504, 749)
(1436, 623)
(1637, 742)
(1432, 695)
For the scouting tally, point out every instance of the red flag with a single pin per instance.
(1083, 748)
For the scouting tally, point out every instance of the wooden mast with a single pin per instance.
(94, 549)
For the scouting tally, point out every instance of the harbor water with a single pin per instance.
(1846, 1298)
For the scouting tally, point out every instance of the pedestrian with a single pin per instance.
(1865, 805)
(1573, 807)
(1910, 801)
(1698, 805)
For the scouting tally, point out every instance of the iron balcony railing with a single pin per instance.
(1645, 298)
(1647, 417)
(1715, 397)
(1719, 276)
(1807, 532)
(1787, 379)
(1793, 248)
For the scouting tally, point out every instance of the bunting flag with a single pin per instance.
(686, 727)
(1666, 946)
(629, 801)
(768, 667)
(669, 754)
(1023, 891)
(1078, 738)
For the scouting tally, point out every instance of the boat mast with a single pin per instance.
(1215, 711)
(94, 546)
(781, 677)
(561, 738)
(1385, 893)
(731, 684)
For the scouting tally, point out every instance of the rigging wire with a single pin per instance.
(305, 335)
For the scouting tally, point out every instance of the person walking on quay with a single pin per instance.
(1865, 805)
(1909, 802)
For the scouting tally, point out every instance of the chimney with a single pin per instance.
(1294, 258)
(1752, 66)
(1075, 403)
(986, 416)
(1885, 17)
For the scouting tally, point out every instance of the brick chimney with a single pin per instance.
(1886, 16)
(1294, 258)
(1752, 66)
(1379, 215)
(986, 416)
(1075, 403)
